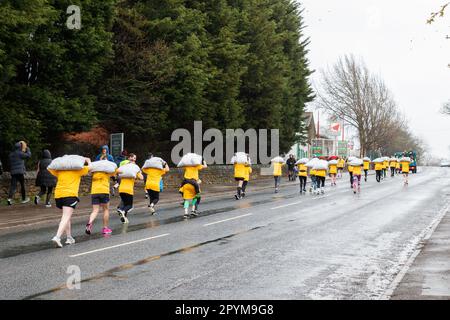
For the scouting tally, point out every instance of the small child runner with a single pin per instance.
(66, 199)
(240, 171)
(191, 198)
(277, 169)
(126, 192)
(153, 185)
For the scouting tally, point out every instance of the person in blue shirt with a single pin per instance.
(104, 155)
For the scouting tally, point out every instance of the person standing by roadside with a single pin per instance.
(290, 162)
(17, 164)
(44, 179)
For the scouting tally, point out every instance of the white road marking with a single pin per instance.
(119, 245)
(234, 218)
(286, 205)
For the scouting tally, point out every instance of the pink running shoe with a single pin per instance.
(106, 230)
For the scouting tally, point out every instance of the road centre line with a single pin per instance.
(234, 218)
(119, 245)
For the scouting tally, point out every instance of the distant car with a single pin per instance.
(445, 163)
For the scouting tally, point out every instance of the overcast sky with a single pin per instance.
(395, 42)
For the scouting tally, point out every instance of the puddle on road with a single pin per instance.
(112, 273)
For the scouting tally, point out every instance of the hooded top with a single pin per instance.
(44, 177)
(17, 159)
(108, 156)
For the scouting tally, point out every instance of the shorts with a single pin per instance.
(405, 172)
(239, 179)
(101, 198)
(67, 202)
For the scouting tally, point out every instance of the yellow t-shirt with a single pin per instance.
(357, 170)
(321, 173)
(333, 169)
(302, 170)
(248, 170)
(192, 172)
(127, 184)
(277, 169)
(188, 191)
(312, 172)
(349, 168)
(239, 170)
(341, 163)
(397, 165)
(100, 182)
(393, 164)
(405, 167)
(154, 177)
(366, 165)
(385, 164)
(68, 183)
(378, 166)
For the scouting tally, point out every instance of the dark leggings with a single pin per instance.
(378, 175)
(193, 182)
(153, 196)
(45, 190)
(277, 181)
(127, 202)
(351, 179)
(302, 183)
(244, 185)
(12, 189)
(392, 171)
(365, 174)
(320, 182)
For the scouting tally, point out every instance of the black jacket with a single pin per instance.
(17, 159)
(45, 178)
(291, 163)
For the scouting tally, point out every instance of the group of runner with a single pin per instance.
(335, 166)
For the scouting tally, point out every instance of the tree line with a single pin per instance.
(146, 68)
(351, 92)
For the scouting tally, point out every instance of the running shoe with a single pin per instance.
(236, 197)
(243, 195)
(36, 200)
(70, 240)
(186, 216)
(106, 230)
(26, 200)
(194, 213)
(88, 228)
(57, 242)
(10, 202)
(152, 211)
(121, 214)
(48, 205)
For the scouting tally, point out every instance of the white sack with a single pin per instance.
(311, 162)
(405, 159)
(321, 165)
(356, 162)
(366, 159)
(154, 162)
(240, 158)
(67, 162)
(333, 162)
(278, 159)
(190, 160)
(302, 161)
(129, 170)
(103, 166)
(378, 160)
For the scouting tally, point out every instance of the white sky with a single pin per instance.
(394, 40)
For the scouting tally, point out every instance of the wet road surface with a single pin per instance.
(266, 246)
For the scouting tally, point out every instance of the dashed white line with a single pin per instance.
(119, 245)
(234, 218)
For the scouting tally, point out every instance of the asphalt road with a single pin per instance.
(267, 246)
